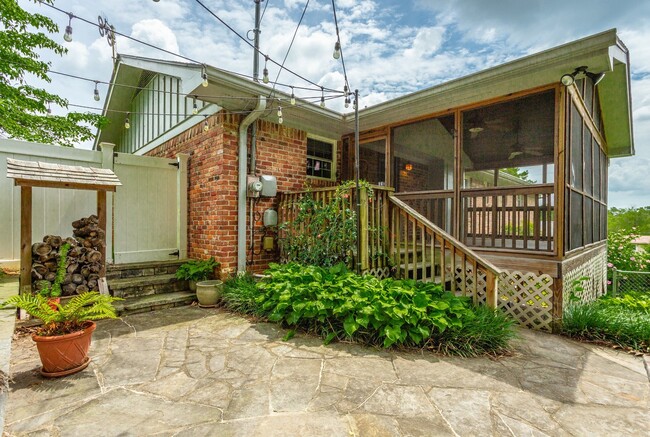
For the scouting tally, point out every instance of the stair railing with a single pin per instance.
(421, 250)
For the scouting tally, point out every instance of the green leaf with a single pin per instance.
(329, 338)
(350, 325)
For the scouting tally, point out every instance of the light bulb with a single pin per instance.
(96, 93)
(195, 108)
(347, 102)
(280, 120)
(265, 76)
(49, 110)
(293, 97)
(279, 111)
(205, 79)
(337, 50)
(322, 102)
(206, 127)
(127, 124)
(67, 36)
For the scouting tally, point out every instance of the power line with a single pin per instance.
(153, 46)
(268, 58)
(338, 40)
(286, 55)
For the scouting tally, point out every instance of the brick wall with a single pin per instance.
(212, 191)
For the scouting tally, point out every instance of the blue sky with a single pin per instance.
(391, 47)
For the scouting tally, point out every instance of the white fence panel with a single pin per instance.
(54, 210)
(146, 213)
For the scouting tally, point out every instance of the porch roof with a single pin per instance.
(602, 52)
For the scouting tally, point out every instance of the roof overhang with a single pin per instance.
(602, 52)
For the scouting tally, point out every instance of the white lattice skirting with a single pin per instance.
(528, 298)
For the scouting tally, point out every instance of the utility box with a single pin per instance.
(270, 218)
(269, 186)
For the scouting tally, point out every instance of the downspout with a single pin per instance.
(242, 176)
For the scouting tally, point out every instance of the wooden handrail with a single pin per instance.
(522, 190)
(425, 249)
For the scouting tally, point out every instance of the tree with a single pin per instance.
(619, 219)
(23, 107)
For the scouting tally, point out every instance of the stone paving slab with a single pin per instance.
(204, 372)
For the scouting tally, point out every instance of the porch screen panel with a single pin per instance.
(372, 161)
(586, 181)
(423, 167)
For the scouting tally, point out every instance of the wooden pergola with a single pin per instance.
(29, 174)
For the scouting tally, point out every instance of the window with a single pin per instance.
(321, 158)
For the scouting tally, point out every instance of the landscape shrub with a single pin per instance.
(337, 304)
(240, 293)
(619, 320)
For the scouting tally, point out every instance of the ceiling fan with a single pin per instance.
(479, 124)
(519, 149)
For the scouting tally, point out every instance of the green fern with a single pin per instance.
(66, 318)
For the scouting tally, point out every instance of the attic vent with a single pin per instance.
(145, 78)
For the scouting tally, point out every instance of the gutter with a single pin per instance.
(242, 177)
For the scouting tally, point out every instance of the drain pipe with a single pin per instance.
(241, 200)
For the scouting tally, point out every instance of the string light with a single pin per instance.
(206, 126)
(265, 73)
(195, 108)
(347, 96)
(322, 98)
(127, 123)
(96, 93)
(67, 36)
(280, 119)
(337, 50)
(204, 76)
(293, 98)
(49, 109)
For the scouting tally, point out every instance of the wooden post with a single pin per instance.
(491, 287)
(363, 229)
(558, 305)
(25, 240)
(101, 215)
(108, 157)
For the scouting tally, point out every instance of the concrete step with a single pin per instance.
(119, 271)
(154, 302)
(146, 285)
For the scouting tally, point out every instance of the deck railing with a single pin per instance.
(421, 250)
(513, 218)
(436, 206)
(396, 239)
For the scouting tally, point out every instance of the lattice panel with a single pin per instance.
(528, 298)
(592, 288)
(469, 278)
(379, 272)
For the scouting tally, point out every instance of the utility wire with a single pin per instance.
(338, 39)
(286, 55)
(71, 15)
(266, 3)
(253, 47)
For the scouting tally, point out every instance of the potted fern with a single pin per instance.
(64, 338)
(195, 271)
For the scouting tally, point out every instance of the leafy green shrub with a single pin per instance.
(197, 270)
(335, 303)
(322, 233)
(622, 320)
(239, 294)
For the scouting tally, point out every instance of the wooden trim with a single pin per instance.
(577, 99)
(25, 284)
(71, 185)
(560, 168)
(558, 305)
(458, 175)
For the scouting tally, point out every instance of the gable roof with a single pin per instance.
(45, 174)
(603, 52)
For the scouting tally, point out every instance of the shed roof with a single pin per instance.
(45, 174)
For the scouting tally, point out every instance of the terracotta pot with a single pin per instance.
(209, 292)
(63, 355)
